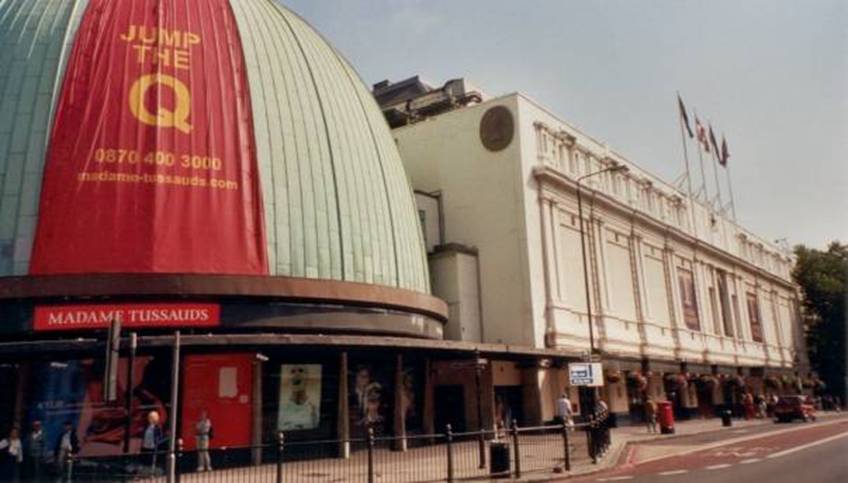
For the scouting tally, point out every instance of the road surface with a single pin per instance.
(789, 454)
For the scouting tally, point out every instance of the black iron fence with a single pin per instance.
(439, 457)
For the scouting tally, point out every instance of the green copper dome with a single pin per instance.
(336, 201)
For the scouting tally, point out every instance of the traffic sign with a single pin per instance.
(586, 374)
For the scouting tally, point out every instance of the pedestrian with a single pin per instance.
(601, 408)
(564, 411)
(203, 435)
(11, 456)
(35, 451)
(66, 446)
(651, 415)
(748, 404)
(152, 437)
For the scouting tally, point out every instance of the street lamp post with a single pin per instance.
(481, 443)
(590, 396)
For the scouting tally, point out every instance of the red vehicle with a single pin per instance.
(794, 407)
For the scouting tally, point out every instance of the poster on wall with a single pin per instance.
(370, 399)
(300, 397)
(71, 391)
(412, 397)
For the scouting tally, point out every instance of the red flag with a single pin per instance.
(702, 134)
(725, 154)
(683, 116)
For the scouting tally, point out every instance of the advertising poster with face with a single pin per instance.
(412, 397)
(300, 397)
(370, 399)
(72, 392)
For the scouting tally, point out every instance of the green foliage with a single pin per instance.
(823, 277)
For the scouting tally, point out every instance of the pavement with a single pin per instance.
(752, 451)
(699, 449)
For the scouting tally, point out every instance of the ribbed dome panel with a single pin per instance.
(337, 203)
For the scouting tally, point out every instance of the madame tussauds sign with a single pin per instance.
(148, 315)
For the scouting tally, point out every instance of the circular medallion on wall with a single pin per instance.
(497, 128)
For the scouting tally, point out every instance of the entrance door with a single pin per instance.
(450, 408)
(221, 385)
(509, 402)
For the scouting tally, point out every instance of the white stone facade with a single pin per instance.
(518, 208)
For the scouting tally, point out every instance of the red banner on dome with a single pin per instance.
(152, 165)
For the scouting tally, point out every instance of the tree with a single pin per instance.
(823, 277)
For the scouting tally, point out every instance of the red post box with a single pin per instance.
(665, 416)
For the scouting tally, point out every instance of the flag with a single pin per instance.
(725, 154)
(683, 116)
(714, 143)
(701, 133)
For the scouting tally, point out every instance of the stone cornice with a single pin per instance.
(548, 176)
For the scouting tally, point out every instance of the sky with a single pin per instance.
(772, 76)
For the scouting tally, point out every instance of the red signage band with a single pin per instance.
(147, 315)
(152, 165)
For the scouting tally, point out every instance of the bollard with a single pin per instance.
(370, 455)
(69, 467)
(178, 461)
(516, 448)
(280, 447)
(565, 449)
(449, 445)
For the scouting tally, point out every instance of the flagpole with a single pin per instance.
(688, 174)
(701, 162)
(718, 185)
(730, 189)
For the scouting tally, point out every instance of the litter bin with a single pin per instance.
(499, 458)
(726, 420)
(665, 416)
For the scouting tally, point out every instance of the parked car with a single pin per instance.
(794, 407)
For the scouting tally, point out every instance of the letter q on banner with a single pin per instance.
(177, 118)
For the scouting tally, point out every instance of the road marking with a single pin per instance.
(805, 446)
(737, 431)
(749, 437)
(718, 467)
(674, 472)
(616, 478)
(748, 462)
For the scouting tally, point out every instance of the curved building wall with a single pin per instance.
(336, 201)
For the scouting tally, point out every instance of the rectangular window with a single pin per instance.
(422, 217)
(724, 301)
(687, 298)
(714, 309)
(754, 316)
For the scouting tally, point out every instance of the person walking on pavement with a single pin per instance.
(67, 445)
(35, 451)
(748, 404)
(564, 412)
(651, 415)
(203, 434)
(11, 456)
(152, 437)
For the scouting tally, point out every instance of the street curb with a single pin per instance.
(621, 453)
(740, 439)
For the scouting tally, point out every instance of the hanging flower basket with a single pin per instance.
(637, 380)
(789, 380)
(736, 381)
(612, 376)
(773, 382)
(707, 380)
(676, 381)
